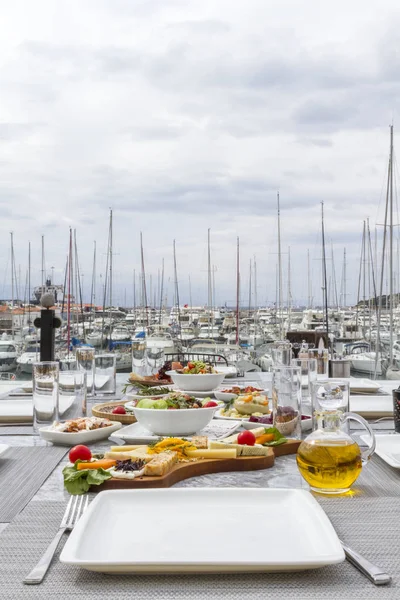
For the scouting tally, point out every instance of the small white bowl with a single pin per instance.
(184, 421)
(63, 438)
(198, 383)
(224, 396)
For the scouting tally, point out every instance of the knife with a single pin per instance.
(374, 573)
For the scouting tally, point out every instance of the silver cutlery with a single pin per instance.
(75, 508)
(374, 573)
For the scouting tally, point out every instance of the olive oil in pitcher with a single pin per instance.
(330, 460)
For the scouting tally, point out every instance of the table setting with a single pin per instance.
(243, 515)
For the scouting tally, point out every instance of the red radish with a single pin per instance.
(210, 404)
(79, 453)
(119, 410)
(246, 438)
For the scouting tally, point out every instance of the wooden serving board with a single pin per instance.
(202, 467)
(97, 411)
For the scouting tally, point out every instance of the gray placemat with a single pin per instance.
(17, 430)
(22, 472)
(369, 525)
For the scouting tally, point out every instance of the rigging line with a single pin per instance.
(359, 275)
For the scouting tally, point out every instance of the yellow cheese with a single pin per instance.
(224, 453)
(123, 448)
(242, 450)
(140, 452)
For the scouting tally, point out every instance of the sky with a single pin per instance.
(183, 116)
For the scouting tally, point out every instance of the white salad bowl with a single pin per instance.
(203, 382)
(224, 396)
(182, 421)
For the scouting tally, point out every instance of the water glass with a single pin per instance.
(333, 394)
(105, 373)
(281, 353)
(155, 358)
(72, 394)
(322, 358)
(308, 369)
(85, 362)
(286, 400)
(139, 356)
(45, 377)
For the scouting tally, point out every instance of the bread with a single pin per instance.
(160, 464)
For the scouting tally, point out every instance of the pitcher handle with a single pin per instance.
(366, 454)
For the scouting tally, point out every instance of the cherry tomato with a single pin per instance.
(79, 453)
(119, 410)
(210, 404)
(246, 438)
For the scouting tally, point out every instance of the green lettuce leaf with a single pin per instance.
(279, 438)
(78, 482)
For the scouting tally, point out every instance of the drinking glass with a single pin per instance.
(105, 373)
(286, 400)
(45, 393)
(139, 356)
(308, 369)
(322, 358)
(281, 353)
(72, 394)
(155, 358)
(85, 362)
(333, 394)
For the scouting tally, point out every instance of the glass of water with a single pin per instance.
(45, 376)
(105, 372)
(286, 400)
(85, 362)
(72, 394)
(139, 356)
(333, 394)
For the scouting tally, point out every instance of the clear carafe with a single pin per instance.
(329, 459)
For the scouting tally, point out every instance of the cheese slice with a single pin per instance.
(226, 452)
(140, 452)
(125, 474)
(123, 448)
(241, 449)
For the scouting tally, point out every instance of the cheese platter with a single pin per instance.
(171, 459)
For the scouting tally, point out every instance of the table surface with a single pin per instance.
(283, 475)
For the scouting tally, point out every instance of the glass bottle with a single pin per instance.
(329, 459)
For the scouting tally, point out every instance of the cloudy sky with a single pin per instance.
(183, 115)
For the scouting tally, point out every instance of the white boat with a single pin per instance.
(27, 358)
(120, 334)
(362, 359)
(8, 355)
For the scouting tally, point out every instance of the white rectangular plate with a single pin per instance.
(216, 430)
(387, 448)
(372, 407)
(3, 448)
(363, 385)
(62, 438)
(16, 411)
(303, 537)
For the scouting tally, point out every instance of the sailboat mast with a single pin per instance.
(161, 292)
(309, 304)
(324, 271)
(42, 265)
(344, 278)
(391, 248)
(12, 285)
(177, 292)
(144, 280)
(29, 283)
(237, 291)
(279, 269)
(209, 301)
(289, 298)
(111, 260)
(250, 288)
(69, 292)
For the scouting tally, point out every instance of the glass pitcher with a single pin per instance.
(329, 459)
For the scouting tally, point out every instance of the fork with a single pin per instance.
(75, 508)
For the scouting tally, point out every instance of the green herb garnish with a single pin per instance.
(279, 438)
(78, 482)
